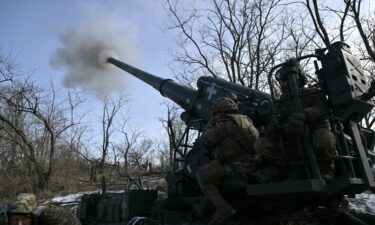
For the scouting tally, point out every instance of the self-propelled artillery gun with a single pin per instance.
(307, 200)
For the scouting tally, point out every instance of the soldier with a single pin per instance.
(231, 137)
(23, 210)
(314, 115)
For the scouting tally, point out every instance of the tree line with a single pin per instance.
(47, 137)
(44, 129)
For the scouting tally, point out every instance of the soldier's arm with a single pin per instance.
(219, 131)
(318, 112)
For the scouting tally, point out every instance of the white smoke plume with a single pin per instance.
(85, 49)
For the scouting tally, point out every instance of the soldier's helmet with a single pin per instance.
(224, 105)
(292, 65)
(24, 203)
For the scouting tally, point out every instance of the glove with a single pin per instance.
(296, 125)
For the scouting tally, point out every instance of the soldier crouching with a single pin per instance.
(231, 137)
(313, 116)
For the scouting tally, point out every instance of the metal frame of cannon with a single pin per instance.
(342, 78)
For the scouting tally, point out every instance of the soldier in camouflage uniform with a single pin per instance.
(231, 137)
(314, 115)
(23, 210)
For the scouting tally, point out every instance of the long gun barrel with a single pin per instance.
(195, 102)
(167, 87)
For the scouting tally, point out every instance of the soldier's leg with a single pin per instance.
(324, 143)
(210, 173)
(207, 177)
(224, 211)
(201, 209)
(273, 161)
(269, 151)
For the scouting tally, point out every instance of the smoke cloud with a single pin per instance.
(86, 48)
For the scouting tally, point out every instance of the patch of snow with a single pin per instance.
(364, 203)
(71, 201)
(71, 198)
(67, 198)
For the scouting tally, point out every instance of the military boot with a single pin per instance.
(223, 210)
(200, 209)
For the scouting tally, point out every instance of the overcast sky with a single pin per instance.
(31, 29)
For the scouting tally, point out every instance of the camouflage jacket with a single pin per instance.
(315, 108)
(232, 137)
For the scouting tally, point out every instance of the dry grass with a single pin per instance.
(74, 181)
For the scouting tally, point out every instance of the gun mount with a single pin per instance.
(342, 80)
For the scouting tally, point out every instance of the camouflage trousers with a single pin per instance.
(323, 142)
(242, 166)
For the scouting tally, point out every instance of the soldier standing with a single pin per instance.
(23, 210)
(231, 137)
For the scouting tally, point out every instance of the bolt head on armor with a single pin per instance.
(24, 203)
(224, 105)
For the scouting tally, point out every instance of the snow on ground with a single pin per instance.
(71, 198)
(68, 198)
(364, 203)
(70, 202)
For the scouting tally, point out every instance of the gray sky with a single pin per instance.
(31, 28)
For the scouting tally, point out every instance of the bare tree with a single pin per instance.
(354, 27)
(111, 108)
(365, 26)
(315, 14)
(8, 68)
(38, 119)
(235, 40)
(139, 156)
(74, 136)
(163, 154)
(240, 40)
(34, 122)
(174, 128)
(123, 149)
